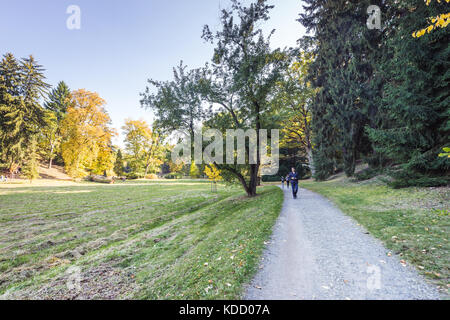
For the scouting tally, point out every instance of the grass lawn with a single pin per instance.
(140, 240)
(414, 222)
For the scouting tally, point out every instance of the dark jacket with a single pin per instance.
(293, 177)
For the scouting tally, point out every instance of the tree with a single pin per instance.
(415, 99)
(31, 167)
(21, 116)
(177, 103)
(50, 137)
(118, 165)
(213, 173)
(87, 146)
(295, 96)
(193, 171)
(59, 100)
(343, 72)
(241, 80)
(144, 146)
(56, 109)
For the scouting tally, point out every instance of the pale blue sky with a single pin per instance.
(122, 43)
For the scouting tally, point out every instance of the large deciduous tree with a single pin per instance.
(176, 103)
(87, 146)
(241, 80)
(294, 97)
(144, 146)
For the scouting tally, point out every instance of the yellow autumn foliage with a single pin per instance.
(440, 21)
(213, 173)
(86, 146)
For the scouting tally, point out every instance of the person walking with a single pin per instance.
(287, 180)
(282, 182)
(293, 177)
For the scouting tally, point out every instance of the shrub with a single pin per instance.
(132, 176)
(366, 174)
(176, 175)
(404, 179)
(271, 178)
(151, 176)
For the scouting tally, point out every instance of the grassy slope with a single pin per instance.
(132, 240)
(413, 223)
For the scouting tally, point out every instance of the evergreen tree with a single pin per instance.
(118, 165)
(415, 104)
(21, 87)
(58, 100)
(346, 54)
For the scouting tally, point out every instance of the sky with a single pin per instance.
(122, 43)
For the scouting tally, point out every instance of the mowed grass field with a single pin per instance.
(413, 222)
(132, 240)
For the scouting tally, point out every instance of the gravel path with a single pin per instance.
(317, 252)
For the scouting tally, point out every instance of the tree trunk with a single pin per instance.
(253, 180)
(50, 160)
(311, 161)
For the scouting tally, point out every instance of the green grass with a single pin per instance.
(144, 240)
(413, 222)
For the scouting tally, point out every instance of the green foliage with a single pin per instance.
(176, 175)
(176, 103)
(343, 72)
(144, 146)
(274, 178)
(118, 164)
(366, 174)
(383, 95)
(59, 100)
(416, 118)
(132, 176)
(242, 80)
(21, 116)
(404, 179)
(50, 137)
(31, 167)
